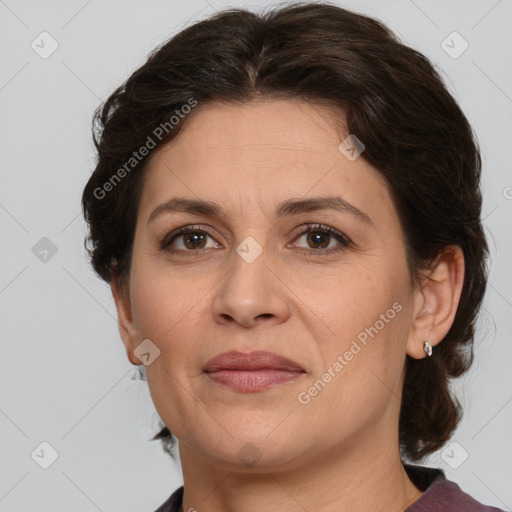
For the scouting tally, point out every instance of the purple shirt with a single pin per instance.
(440, 494)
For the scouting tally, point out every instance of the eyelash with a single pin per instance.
(344, 240)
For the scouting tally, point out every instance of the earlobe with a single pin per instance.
(125, 323)
(436, 300)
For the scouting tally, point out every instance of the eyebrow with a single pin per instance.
(284, 209)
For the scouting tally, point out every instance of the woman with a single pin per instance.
(287, 208)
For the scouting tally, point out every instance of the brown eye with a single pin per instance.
(323, 239)
(187, 239)
(194, 240)
(318, 237)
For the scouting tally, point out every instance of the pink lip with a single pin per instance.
(253, 371)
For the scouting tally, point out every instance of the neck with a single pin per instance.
(346, 478)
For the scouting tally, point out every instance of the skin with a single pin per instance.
(307, 307)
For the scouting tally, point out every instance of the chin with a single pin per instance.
(255, 457)
(251, 451)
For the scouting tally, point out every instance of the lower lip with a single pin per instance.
(253, 380)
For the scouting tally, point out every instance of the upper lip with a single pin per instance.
(256, 360)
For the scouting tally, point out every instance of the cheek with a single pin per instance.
(353, 298)
(366, 314)
(171, 310)
(360, 378)
(160, 299)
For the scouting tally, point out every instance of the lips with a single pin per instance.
(257, 360)
(251, 372)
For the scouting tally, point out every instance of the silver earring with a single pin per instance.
(427, 348)
(139, 373)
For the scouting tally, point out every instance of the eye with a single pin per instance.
(323, 236)
(191, 239)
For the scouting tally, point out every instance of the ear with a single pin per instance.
(436, 299)
(127, 329)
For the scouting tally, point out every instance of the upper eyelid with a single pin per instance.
(304, 228)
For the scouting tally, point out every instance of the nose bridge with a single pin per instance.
(249, 275)
(250, 290)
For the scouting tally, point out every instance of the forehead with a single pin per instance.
(261, 153)
(283, 129)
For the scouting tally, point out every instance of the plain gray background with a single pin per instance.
(65, 377)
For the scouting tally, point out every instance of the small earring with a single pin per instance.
(427, 348)
(139, 373)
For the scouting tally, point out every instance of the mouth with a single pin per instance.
(253, 371)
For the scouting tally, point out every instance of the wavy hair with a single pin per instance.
(394, 101)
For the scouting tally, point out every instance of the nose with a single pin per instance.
(251, 294)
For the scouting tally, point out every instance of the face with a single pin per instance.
(324, 284)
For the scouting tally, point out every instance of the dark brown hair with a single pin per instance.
(395, 102)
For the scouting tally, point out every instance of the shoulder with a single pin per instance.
(440, 494)
(173, 504)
